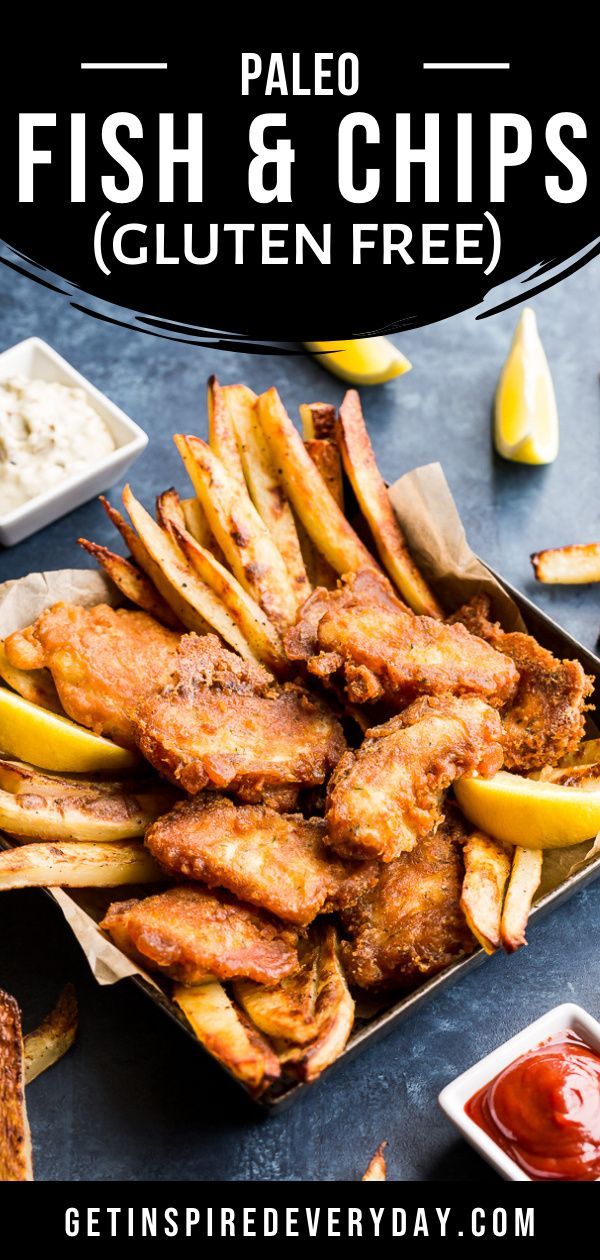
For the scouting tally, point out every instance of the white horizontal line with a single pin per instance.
(466, 65)
(123, 65)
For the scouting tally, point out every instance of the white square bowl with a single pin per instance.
(34, 359)
(454, 1097)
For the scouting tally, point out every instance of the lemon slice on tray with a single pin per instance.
(529, 812)
(364, 361)
(51, 742)
(526, 418)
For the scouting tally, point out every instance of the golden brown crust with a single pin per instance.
(191, 934)
(411, 925)
(384, 797)
(15, 1141)
(103, 660)
(386, 652)
(545, 720)
(275, 861)
(269, 735)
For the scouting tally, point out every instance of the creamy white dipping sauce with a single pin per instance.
(48, 431)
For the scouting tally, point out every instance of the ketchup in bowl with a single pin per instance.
(544, 1110)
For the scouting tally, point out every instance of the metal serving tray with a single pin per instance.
(557, 640)
(369, 1030)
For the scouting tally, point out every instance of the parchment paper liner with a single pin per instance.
(428, 515)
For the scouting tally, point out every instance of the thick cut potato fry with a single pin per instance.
(198, 526)
(194, 602)
(256, 628)
(370, 489)
(15, 1138)
(326, 458)
(525, 876)
(585, 754)
(132, 583)
(35, 685)
(487, 866)
(286, 1010)
(227, 1035)
(221, 432)
(169, 511)
(264, 486)
(77, 864)
(377, 1167)
(312, 501)
(240, 532)
(92, 815)
(54, 1036)
(318, 420)
(568, 565)
(334, 1014)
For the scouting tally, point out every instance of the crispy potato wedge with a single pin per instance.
(377, 1167)
(525, 876)
(318, 420)
(221, 432)
(325, 455)
(286, 1010)
(198, 526)
(264, 486)
(256, 628)
(240, 532)
(169, 511)
(568, 565)
(35, 685)
(93, 815)
(15, 1138)
(54, 1036)
(194, 602)
(586, 754)
(227, 1035)
(312, 501)
(487, 867)
(371, 492)
(135, 585)
(77, 864)
(334, 1014)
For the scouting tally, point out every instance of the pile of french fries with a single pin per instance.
(265, 524)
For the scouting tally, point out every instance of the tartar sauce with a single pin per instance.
(48, 431)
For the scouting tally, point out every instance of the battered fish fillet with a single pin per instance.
(545, 719)
(225, 722)
(411, 925)
(383, 651)
(191, 934)
(383, 798)
(275, 861)
(103, 660)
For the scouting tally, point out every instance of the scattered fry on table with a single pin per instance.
(53, 1037)
(377, 1167)
(15, 1138)
(568, 566)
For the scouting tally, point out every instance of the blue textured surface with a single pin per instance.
(134, 1099)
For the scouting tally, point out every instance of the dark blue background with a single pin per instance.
(134, 1099)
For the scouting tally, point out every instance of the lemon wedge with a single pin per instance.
(366, 361)
(52, 742)
(530, 813)
(526, 418)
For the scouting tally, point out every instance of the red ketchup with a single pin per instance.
(544, 1110)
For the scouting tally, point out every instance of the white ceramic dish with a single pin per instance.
(453, 1098)
(35, 359)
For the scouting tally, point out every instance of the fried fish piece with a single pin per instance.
(226, 722)
(384, 651)
(545, 718)
(191, 935)
(411, 924)
(276, 861)
(102, 660)
(383, 798)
